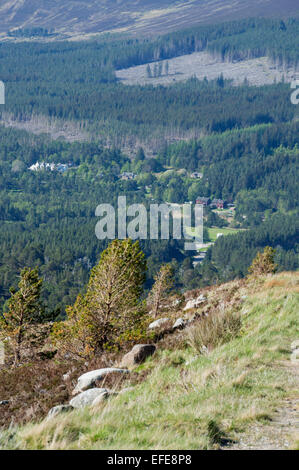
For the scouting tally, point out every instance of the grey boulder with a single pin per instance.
(88, 397)
(180, 323)
(57, 410)
(137, 355)
(89, 379)
(158, 323)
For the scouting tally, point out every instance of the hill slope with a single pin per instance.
(138, 16)
(189, 399)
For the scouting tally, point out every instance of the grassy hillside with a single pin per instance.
(224, 395)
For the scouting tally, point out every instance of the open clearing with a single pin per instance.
(258, 71)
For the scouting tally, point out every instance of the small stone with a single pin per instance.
(180, 323)
(59, 410)
(4, 402)
(137, 355)
(295, 345)
(194, 303)
(295, 356)
(158, 323)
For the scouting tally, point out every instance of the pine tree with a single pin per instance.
(164, 281)
(24, 309)
(140, 155)
(111, 306)
(263, 263)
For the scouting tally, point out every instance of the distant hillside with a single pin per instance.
(137, 16)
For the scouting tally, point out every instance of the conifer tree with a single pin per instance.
(111, 306)
(140, 155)
(24, 309)
(164, 281)
(263, 263)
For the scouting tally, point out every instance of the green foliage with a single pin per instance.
(263, 263)
(24, 309)
(232, 255)
(247, 154)
(111, 310)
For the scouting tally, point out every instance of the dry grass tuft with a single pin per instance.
(214, 330)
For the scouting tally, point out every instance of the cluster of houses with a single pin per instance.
(61, 167)
(196, 175)
(127, 175)
(213, 203)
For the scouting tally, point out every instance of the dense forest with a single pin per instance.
(231, 255)
(76, 80)
(244, 141)
(48, 218)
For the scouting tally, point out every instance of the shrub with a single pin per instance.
(263, 263)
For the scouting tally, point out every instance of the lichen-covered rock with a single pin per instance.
(88, 397)
(137, 355)
(89, 379)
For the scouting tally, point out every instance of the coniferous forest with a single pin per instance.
(243, 140)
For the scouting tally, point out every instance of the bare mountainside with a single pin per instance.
(135, 16)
